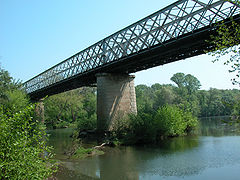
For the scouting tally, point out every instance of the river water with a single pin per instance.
(212, 154)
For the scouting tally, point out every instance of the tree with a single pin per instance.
(179, 79)
(69, 108)
(186, 92)
(203, 97)
(9, 88)
(191, 83)
(5, 84)
(23, 150)
(16, 100)
(164, 96)
(144, 98)
(215, 104)
(5, 79)
(225, 44)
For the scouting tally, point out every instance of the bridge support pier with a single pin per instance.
(39, 109)
(116, 99)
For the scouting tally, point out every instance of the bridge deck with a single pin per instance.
(176, 32)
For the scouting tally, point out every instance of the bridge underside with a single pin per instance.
(174, 50)
(185, 46)
(178, 31)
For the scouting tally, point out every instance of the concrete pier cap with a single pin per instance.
(116, 99)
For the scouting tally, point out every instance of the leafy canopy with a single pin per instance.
(23, 150)
(226, 46)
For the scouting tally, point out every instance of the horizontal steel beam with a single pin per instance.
(184, 19)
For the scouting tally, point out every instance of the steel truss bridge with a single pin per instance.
(175, 32)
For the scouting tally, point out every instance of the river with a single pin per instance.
(212, 154)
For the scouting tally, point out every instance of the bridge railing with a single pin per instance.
(179, 18)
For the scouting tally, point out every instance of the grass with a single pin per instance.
(82, 152)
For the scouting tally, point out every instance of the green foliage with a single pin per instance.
(10, 96)
(189, 82)
(87, 123)
(184, 95)
(87, 120)
(172, 121)
(217, 102)
(141, 129)
(164, 95)
(200, 103)
(61, 109)
(23, 150)
(74, 108)
(167, 110)
(16, 100)
(144, 97)
(7, 83)
(226, 47)
(5, 80)
(191, 121)
(89, 103)
(148, 127)
(186, 91)
(236, 110)
(82, 152)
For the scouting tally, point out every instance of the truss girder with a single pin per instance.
(177, 19)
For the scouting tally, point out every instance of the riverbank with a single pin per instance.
(88, 143)
(211, 154)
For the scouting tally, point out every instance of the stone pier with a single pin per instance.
(39, 109)
(116, 99)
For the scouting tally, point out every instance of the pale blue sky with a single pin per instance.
(37, 34)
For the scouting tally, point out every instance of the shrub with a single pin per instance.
(15, 101)
(172, 121)
(147, 128)
(87, 123)
(23, 150)
(142, 128)
(134, 129)
(191, 121)
(62, 124)
(82, 152)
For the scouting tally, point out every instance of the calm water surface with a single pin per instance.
(212, 154)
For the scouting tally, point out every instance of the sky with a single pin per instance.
(37, 34)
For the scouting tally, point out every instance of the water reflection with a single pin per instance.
(60, 140)
(120, 163)
(217, 127)
(137, 162)
(209, 155)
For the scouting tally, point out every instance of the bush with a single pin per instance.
(15, 101)
(172, 121)
(86, 123)
(23, 150)
(146, 128)
(82, 152)
(142, 128)
(62, 124)
(192, 122)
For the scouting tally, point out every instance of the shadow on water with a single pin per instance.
(60, 140)
(216, 148)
